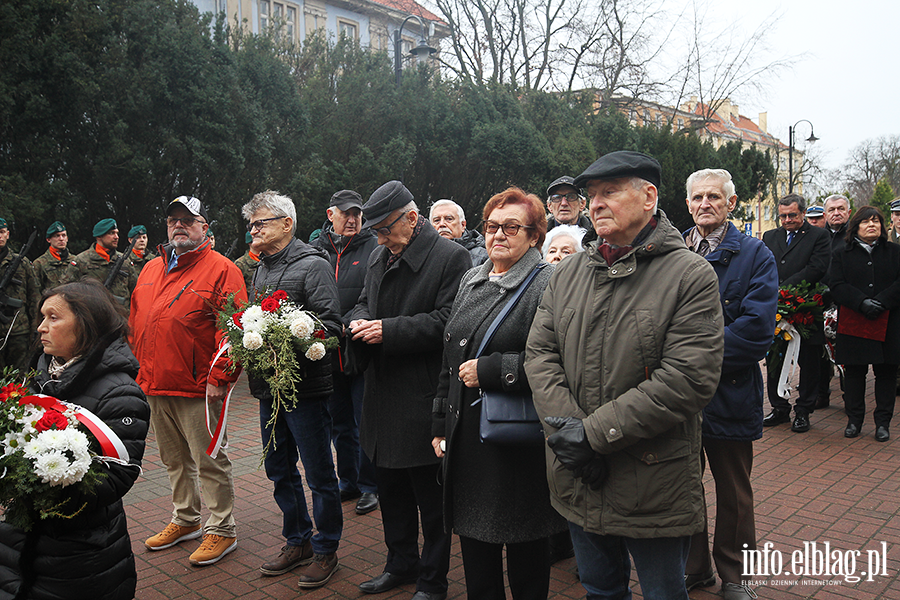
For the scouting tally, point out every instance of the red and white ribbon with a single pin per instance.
(791, 355)
(110, 443)
(217, 436)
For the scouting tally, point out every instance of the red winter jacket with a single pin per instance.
(173, 321)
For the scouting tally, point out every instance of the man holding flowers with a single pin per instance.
(299, 424)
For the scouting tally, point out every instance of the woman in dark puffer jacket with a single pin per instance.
(86, 361)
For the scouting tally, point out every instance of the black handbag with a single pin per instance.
(508, 418)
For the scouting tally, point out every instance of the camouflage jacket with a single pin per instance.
(92, 264)
(51, 271)
(247, 264)
(22, 288)
(140, 261)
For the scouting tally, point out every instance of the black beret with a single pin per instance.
(385, 200)
(564, 180)
(346, 199)
(624, 163)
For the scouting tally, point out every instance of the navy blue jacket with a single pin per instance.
(748, 289)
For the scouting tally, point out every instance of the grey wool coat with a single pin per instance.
(413, 299)
(495, 494)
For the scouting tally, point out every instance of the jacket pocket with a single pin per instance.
(649, 477)
(562, 483)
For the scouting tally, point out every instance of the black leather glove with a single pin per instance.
(871, 308)
(570, 443)
(595, 473)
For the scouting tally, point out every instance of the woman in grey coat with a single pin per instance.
(495, 495)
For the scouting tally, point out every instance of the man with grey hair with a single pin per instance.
(566, 204)
(449, 219)
(398, 331)
(837, 214)
(301, 428)
(748, 289)
(173, 324)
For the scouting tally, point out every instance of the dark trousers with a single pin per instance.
(855, 393)
(730, 463)
(355, 470)
(405, 495)
(527, 564)
(809, 362)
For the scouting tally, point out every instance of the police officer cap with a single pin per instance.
(136, 231)
(3, 224)
(564, 180)
(385, 200)
(103, 227)
(895, 205)
(194, 206)
(55, 228)
(346, 199)
(815, 211)
(624, 163)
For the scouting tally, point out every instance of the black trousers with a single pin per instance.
(809, 362)
(527, 566)
(855, 393)
(405, 495)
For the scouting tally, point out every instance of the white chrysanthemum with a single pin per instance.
(316, 351)
(33, 448)
(252, 340)
(52, 467)
(254, 319)
(302, 325)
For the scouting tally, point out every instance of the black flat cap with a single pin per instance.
(385, 200)
(623, 163)
(346, 199)
(564, 180)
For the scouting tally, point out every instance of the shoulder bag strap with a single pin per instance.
(506, 309)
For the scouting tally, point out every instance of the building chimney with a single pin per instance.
(764, 122)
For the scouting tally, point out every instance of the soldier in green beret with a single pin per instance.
(55, 267)
(247, 264)
(19, 300)
(97, 261)
(140, 255)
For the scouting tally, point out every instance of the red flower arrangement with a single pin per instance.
(801, 310)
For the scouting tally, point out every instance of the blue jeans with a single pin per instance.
(355, 470)
(307, 429)
(605, 569)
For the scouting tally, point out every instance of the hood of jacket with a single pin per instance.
(470, 239)
(114, 357)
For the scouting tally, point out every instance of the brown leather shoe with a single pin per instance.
(319, 571)
(289, 558)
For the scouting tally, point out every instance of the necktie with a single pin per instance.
(790, 237)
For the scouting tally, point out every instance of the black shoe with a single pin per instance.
(777, 417)
(367, 503)
(386, 582)
(347, 495)
(852, 430)
(882, 434)
(695, 580)
(800, 424)
(420, 595)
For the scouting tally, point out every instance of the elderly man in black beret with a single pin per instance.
(397, 328)
(624, 352)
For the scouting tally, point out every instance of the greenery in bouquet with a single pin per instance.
(44, 454)
(801, 311)
(270, 337)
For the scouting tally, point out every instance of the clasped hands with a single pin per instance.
(871, 308)
(573, 450)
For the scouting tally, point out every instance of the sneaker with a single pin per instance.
(212, 549)
(289, 558)
(319, 571)
(172, 535)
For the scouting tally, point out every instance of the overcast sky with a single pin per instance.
(847, 85)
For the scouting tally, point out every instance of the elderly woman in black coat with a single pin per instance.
(87, 362)
(865, 278)
(495, 495)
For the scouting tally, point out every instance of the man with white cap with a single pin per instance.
(894, 233)
(815, 216)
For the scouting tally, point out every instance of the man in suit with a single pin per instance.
(802, 253)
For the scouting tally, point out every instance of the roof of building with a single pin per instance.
(736, 126)
(411, 7)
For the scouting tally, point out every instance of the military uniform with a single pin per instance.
(247, 264)
(52, 269)
(139, 261)
(22, 288)
(92, 264)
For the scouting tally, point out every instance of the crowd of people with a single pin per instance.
(554, 378)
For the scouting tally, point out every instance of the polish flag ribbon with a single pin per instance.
(110, 443)
(216, 437)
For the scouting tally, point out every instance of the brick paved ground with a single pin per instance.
(816, 486)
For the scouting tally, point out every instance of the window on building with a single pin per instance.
(263, 16)
(646, 117)
(348, 29)
(659, 120)
(680, 123)
(280, 15)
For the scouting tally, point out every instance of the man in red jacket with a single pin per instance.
(173, 322)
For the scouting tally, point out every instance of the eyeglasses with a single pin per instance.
(387, 230)
(571, 198)
(185, 221)
(509, 229)
(790, 216)
(261, 223)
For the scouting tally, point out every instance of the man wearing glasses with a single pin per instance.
(566, 205)
(173, 323)
(398, 330)
(802, 253)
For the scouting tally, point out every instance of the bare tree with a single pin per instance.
(872, 160)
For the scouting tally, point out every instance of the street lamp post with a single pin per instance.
(421, 51)
(791, 132)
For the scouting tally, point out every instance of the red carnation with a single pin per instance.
(13, 390)
(236, 317)
(319, 333)
(51, 420)
(817, 298)
(801, 300)
(279, 295)
(269, 304)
